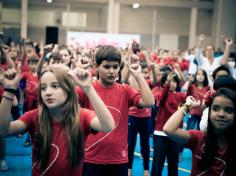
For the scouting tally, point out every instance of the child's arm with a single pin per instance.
(104, 120)
(187, 85)
(198, 50)
(228, 43)
(9, 61)
(147, 98)
(155, 72)
(46, 49)
(172, 126)
(10, 80)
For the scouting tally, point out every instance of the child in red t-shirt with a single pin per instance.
(59, 126)
(213, 151)
(197, 88)
(106, 153)
(165, 147)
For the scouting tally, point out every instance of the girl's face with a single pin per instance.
(222, 113)
(173, 86)
(200, 76)
(53, 95)
(53, 62)
(145, 73)
(65, 56)
(13, 52)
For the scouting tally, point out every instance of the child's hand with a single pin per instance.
(202, 37)
(62, 66)
(55, 48)
(84, 62)
(134, 58)
(190, 78)
(10, 78)
(82, 78)
(135, 70)
(192, 102)
(152, 65)
(227, 41)
(47, 48)
(170, 76)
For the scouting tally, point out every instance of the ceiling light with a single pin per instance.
(136, 5)
(49, 1)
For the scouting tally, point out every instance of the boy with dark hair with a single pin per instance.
(106, 153)
(222, 70)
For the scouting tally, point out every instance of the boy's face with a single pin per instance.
(108, 72)
(33, 65)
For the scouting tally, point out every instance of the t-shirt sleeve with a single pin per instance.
(196, 135)
(81, 96)
(28, 118)
(134, 96)
(86, 117)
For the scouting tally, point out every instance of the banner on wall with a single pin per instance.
(91, 39)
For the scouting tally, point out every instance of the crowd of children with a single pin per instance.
(82, 108)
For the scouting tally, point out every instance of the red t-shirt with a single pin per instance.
(139, 111)
(169, 103)
(25, 66)
(110, 148)
(31, 89)
(157, 91)
(197, 93)
(58, 162)
(196, 144)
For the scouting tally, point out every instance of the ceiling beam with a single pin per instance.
(171, 3)
(89, 3)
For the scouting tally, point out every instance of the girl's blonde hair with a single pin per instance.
(70, 111)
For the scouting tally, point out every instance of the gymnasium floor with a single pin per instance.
(19, 159)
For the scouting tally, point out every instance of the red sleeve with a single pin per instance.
(190, 89)
(195, 136)
(133, 96)
(164, 95)
(81, 96)
(28, 118)
(184, 65)
(24, 75)
(86, 117)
